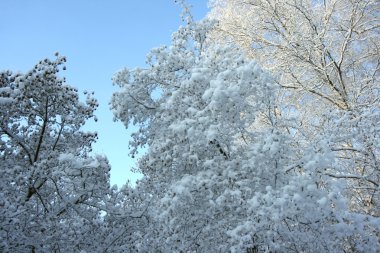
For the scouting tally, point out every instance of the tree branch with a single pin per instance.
(18, 141)
(352, 177)
(43, 129)
(59, 135)
(141, 103)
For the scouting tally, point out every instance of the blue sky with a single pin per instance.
(98, 38)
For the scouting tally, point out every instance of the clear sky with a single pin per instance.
(99, 37)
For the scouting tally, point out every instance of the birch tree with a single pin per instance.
(326, 57)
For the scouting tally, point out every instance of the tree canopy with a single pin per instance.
(232, 167)
(261, 128)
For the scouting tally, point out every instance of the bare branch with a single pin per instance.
(352, 177)
(43, 129)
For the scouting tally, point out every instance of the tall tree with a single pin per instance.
(327, 59)
(218, 178)
(52, 190)
(327, 48)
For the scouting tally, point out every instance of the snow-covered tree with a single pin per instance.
(328, 48)
(52, 191)
(217, 177)
(326, 56)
